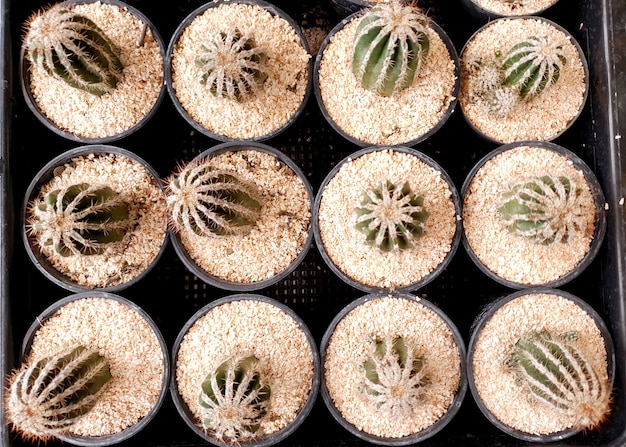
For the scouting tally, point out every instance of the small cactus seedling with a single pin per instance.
(489, 89)
(234, 399)
(546, 209)
(72, 48)
(212, 202)
(390, 47)
(80, 219)
(391, 217)
(395, 377)
(232, 65)
(557, 374)
(47, 397)
(533, 65)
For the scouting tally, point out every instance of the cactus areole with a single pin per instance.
(391, 45)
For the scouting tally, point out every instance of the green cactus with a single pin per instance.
(234, 399)
(557, 374)
(47, 397)
(391, 217)
(232, 65)
(72, 48)
(395, 378)
(390, 46)
(80, 219)
(545, 209)
(533, 65)
(487, 87)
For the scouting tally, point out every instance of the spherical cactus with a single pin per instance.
(533, 65)
(231, 65)
(391, 217)
(391, 44)
(557, 374)
(234, 399)
(395, 377)
(545, 209)
(47, 397)
(72, 48)
(80, 219)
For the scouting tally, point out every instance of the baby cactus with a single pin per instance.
(234, 399)
(395, 378)
(533, 65)
(545, 209)
(72, 48)
(80, 219)
(212, 202)
(47, 397)
(391, 217)
(557, 374)
(232, 65)
(390, 47)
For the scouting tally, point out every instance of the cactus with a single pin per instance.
(489, 89)
(232, 65)
(47, 397)
(212, 202)
(533, 65)
(234, 399)
(557, 374)
(80, 219)
(391, 217)
(72, 48)
(545, 209)
(395, 378)
(390, 47)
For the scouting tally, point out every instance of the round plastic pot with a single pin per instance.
(600, 221)
(264, 440)
(32, 104)
(478, 325)
(275, 11)
(222, 283)
(425, 433)
(485, 15)
(448, 112)
(114, 438)
(454, 243)
(43, 177)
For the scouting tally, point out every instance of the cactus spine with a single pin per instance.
(545, 209)
(395, 377)
(73, 49)
(80, 219)
(390, 47)
(391, 217)
(558, 375)
(232, 65)
(47, 397)
(234, 399)
(212, 202)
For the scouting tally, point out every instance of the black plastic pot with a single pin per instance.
(485, 15)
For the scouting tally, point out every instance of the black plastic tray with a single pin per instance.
(171, 294)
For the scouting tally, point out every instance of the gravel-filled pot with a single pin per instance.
(239, 70)
(541, 365)
(393, 369)
(245, 371)
(387, 219)
(533, 214)
(105, 366)
(109, 79)
(487, 10)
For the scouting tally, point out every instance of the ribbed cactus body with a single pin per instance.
(72, 48)
(533, 65)
(81, 219)
(391, 216)
(391, 44)
(48, 396)
(557, 374)
(545, 209)
(232, 65)
(234, 399)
